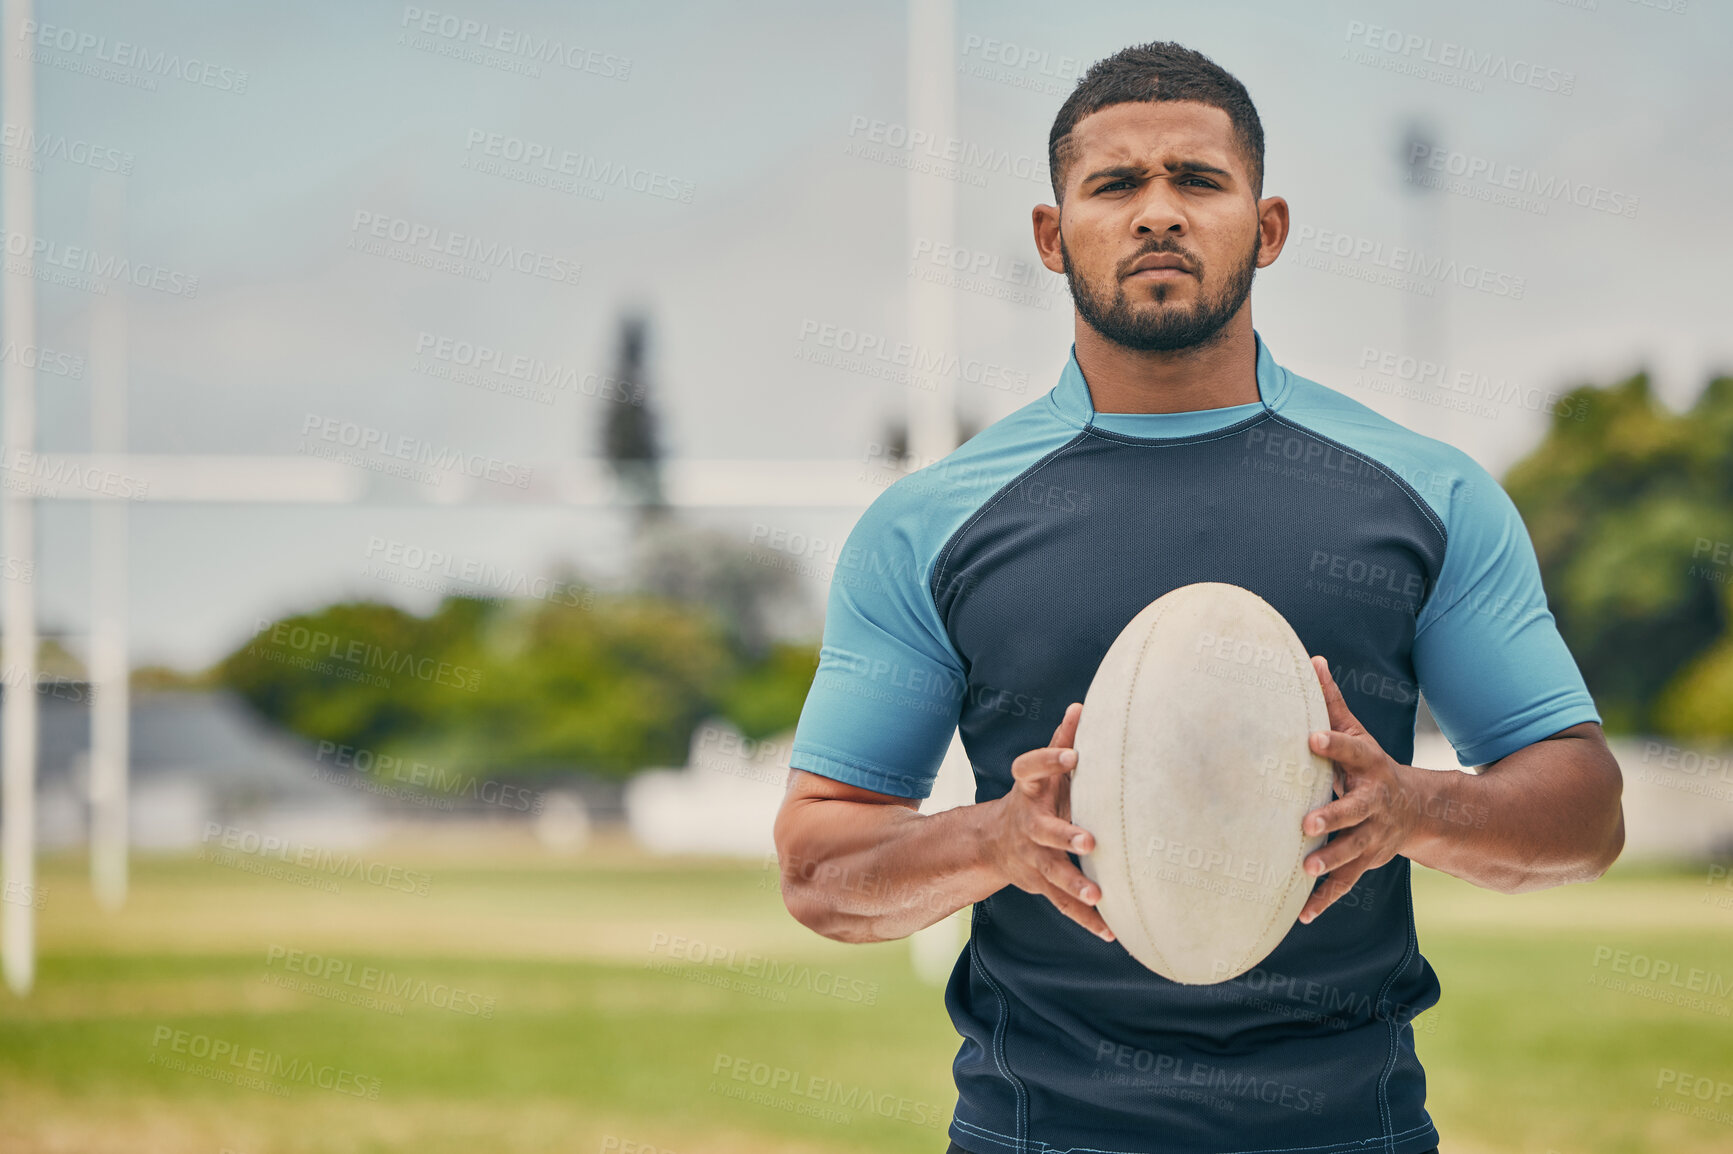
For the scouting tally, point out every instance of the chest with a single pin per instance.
(1036, 587)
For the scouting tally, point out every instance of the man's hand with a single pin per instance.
(1374, 812)
(1030, 830)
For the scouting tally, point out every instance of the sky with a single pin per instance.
(271, 152)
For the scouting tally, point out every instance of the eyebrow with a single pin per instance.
(1123, 170)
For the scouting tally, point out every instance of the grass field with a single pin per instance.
(527, 1003)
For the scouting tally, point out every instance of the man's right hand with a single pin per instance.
(1031, 831)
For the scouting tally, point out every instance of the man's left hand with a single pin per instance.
(1374, 813)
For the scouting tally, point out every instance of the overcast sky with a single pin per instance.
(758, 219)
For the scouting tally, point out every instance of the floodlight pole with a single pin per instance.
(1424, 319)
(932, 103)
(932, 109)
(18, 530)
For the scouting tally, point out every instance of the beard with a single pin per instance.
(1159, 327)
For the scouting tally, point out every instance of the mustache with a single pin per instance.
(1171, 248)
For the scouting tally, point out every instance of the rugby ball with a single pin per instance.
(1193, 773)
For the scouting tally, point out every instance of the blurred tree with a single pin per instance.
(603, 684)
(767, 696)
(610, 688)
(699, 568)
(893, 443)
(360, 673)
(711, 572)
(629, 440)
(606, 684)
(1631, 511)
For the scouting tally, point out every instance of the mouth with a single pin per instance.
(1158, 266)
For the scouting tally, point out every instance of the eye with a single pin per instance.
(1203, 180)
(1111, 184)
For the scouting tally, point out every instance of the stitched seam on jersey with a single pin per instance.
(1528, 618)
(934, 584)
(1412, 948)
(1577, 702)
(1000, 1028)
(975, 1130)
(1202, 438)
(987, 1135)
(826, 753)
(1412, 493)
(1281, 386)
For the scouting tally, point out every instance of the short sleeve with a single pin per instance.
(889, 686)
(1487, 652)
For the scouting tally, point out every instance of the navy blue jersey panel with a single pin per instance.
(1032, 592)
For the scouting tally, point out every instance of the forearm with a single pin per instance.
(1547, 815)
(859, 872)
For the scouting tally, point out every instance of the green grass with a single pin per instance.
(590, 1045)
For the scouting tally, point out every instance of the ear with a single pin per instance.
(1045, 218)
(1272, 229)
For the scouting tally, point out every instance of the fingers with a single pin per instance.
(1358, 751)
(1062, 797)
(1044, 773)
(1073, 894)
(1329, 891)
(1083, 915)
(1056, 833)
(1350, 809)
(1040, 765)
(1341, 718)
(1330, 858)
(1066, 735)
(1034, 769)
(1067, 878)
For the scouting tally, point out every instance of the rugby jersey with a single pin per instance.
(978, 595)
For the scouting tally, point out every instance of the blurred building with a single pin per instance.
(196, 757)
(200, 757)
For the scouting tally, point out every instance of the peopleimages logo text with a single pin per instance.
(365, 654)
(79, 260)
(366, 438)
(1449, 54)
(433, 241)
(516, 42)
(122, 54)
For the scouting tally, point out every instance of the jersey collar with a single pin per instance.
(1071, 398)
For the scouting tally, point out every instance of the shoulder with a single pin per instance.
(923, 509)
(1450, 483)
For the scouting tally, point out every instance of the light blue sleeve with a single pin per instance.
(889, 687)
(1487, 652)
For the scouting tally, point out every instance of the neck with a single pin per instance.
(1215, 375)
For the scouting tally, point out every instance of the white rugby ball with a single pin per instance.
(1193, 773)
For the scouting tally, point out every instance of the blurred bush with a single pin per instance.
(528, 687)
(1630, 507)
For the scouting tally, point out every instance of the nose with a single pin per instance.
(1159, 209)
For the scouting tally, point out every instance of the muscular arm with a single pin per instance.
(1546, 815)
(861, 866)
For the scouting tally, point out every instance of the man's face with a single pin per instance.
(1164, 179)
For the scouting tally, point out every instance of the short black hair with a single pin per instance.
(1150, 73)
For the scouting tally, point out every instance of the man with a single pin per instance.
(981, 592)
